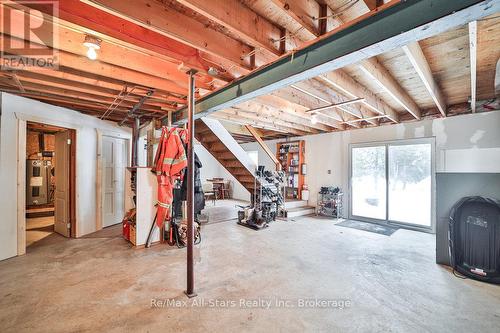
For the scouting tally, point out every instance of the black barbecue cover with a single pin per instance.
(474, 238)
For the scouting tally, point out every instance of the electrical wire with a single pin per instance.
(336, 13)
(458, 275)
(117, 102)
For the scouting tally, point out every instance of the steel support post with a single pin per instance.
(190, 188)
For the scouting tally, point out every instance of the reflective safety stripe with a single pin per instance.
(168, 160)
(164, 205)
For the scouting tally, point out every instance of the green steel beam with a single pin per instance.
(393, 27)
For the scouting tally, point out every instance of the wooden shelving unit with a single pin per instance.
(291, 156)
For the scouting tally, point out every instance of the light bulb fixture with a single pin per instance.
(92, 44)
(212, 71)
(91, 53)
(314, 119)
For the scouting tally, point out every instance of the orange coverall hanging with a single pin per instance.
(169, 164)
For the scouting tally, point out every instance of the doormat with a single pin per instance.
(370, 227)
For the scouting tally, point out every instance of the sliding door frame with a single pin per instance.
(386, 221)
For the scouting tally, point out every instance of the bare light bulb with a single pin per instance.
(91, 53)
(314, 119)
(92, 44)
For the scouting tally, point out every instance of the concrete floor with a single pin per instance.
(100, 284)
(223, 210)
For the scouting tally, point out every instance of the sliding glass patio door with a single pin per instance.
(410, 184)
(368, 182)
(392, 182)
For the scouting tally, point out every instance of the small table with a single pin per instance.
(219, 186)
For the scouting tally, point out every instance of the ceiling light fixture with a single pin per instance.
(314, 119)
(92, 43)
(212, 71)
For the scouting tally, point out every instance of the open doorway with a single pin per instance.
(49, 187)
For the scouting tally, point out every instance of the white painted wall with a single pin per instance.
(212, 168)
(14, 108)
(474, 136)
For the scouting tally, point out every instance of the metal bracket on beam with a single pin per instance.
(136, 107)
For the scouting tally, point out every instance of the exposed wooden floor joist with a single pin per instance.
(149, 44)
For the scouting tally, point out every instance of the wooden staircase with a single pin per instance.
(225, 149)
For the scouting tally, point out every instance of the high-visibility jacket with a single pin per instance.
(170, 162)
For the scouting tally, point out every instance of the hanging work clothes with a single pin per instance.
(199, 196)
(169, 164)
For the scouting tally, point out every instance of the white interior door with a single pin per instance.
(114, 161)
(62, 220)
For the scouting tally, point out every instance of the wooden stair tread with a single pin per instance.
(211, 142)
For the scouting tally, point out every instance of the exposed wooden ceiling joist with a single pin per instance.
(329, 96)
(229, 116)
(166, 21)
(82, 103)
(305, 13)
(379, 74)
(244, 22)
(79, 87)
(376, 71)
(347, 85)
(261, 109)
(106, 26)
(417, 58)
(378, 33)
(35, 87)
(473, 63)
(373, 4)
(297, 110)
(240, 20)
(264, 115)
(101, 69)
